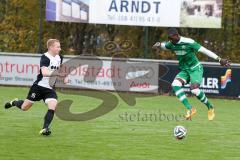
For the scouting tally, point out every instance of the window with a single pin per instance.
(83, 15)
(66, 8)
(75, 10)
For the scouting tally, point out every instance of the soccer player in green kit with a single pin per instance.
(191, 70)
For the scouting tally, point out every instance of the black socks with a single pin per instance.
(48, 118)
(18, 103)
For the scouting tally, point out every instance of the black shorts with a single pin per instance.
(37, 93)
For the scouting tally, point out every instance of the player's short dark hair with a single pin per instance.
(50, 42)
(172, 31)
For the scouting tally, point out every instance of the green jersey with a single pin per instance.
(185, 50)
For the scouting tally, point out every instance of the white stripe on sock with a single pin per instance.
(203, 98)
(182, 97)
(205, 101)
(179, 92)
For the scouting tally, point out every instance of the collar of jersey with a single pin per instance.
(180, 40)
(49, 54)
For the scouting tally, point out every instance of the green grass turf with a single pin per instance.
(112, 137)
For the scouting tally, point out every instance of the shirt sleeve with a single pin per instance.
(208, 53)
(44, 62)
(196, 46)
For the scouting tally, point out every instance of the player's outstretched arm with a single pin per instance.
(223, 62)
(159, 45)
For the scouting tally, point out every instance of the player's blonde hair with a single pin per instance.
(50, 42)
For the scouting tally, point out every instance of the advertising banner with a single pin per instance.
(92, 73)
(166, 13)
(119, 75)
(217, 80)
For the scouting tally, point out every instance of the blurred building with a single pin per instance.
(68, 10)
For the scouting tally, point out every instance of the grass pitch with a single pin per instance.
(126, 133)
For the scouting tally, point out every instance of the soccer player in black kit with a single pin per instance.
(41, 89)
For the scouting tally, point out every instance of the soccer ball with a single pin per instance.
(179, 132)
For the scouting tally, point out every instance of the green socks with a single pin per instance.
(181, 96)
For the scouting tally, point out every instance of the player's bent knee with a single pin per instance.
(176, 82)
(52, 103)
(52, 106)
(196, 91)
(194, 86)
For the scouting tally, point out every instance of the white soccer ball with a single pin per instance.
(180, 132)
